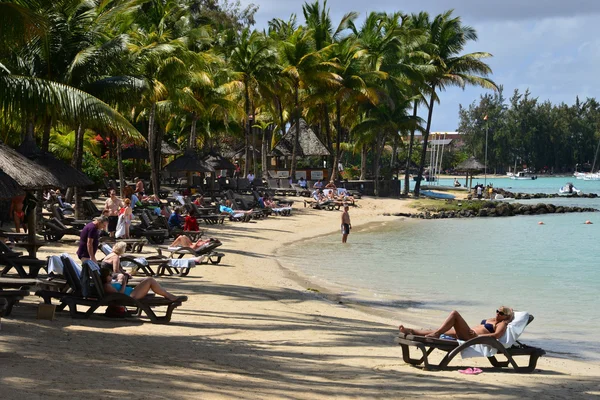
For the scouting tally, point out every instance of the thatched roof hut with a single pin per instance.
(9, 188)
(218, 162)
(25, 172)
(308, 143)
(470, 164)
(141, 152)
(189, 162)
(64, 173)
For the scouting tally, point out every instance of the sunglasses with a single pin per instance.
(500, 313)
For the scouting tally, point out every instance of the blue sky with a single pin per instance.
(551, 47)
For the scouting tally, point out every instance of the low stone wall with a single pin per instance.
(495, 209)
(529, 196)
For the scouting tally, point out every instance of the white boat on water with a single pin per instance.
(579, 175)
(568, 189)
(523, 176)
(591, 177)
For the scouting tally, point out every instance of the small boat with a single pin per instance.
(437, 195)
(568, 189)
(591, 177)
(523, 176)
(579, 175)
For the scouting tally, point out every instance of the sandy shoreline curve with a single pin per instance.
(252, 330)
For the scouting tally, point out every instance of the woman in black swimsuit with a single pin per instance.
(456, 327)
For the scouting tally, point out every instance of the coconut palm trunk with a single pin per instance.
(152, 144)
(410, 151)
(425, 141)
(297, 136)
(363, 162)
(247, 130)
(120, 168)
(338, 139)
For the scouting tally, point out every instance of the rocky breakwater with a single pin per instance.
(490, 209)
(528, 196)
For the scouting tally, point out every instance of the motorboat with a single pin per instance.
(592, 177)
(437, 195)
(568, 189)
(523, 176)
(579, 175)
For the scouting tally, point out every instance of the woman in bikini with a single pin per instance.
(455, 326)
(184, 241)
(138, 292)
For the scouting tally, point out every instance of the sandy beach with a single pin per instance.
(251, 329)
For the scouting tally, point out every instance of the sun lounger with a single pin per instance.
(483, 345)
(18, 263)
(133, 245)
(98, 298)
(54, 230)
(90, 209)
(207, 250)
(12, 297)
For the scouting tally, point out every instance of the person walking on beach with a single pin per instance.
(346, 225)
(113, 204)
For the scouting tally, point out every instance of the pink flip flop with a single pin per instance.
(470, 371)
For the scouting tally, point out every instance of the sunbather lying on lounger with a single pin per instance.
(456, 327)
(184, 241)
(244, 215)
(140, 291)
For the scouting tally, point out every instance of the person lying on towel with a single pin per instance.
(112, 261)
(140, 291)
(455, 327)
(184, 241)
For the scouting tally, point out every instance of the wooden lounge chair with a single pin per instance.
(133, 245)
(145, 229)
(212, 256)
(90, 209)
(14, 260)
(54, 230)
(98, 298)
(12, 297)
(453, 348)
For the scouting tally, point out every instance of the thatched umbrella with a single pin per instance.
(9, 188)
(189, 162)
(470, 166)
(141, 153)
(218, 162)
(309, 143)
(28, 174)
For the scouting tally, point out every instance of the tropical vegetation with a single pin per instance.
(195, 73)
(527, 133)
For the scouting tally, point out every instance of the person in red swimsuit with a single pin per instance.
(16, 211)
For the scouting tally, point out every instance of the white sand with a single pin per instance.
(250, 331)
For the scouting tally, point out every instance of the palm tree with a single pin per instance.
(157, 55)
(304, 68)
(448, 38)
(253, 63)
(319, 22)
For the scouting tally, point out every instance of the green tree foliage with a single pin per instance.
(531, 134)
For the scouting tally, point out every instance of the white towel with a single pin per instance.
(75, 264)
(106, 249)
(55, 265)
(510, 337)
(182, 263)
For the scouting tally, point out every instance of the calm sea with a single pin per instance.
(476, 265)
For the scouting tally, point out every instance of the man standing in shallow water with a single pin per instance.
(346, 225)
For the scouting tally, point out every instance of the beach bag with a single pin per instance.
(120, 233)
(115, 312)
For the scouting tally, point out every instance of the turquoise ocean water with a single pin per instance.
(476, 265)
